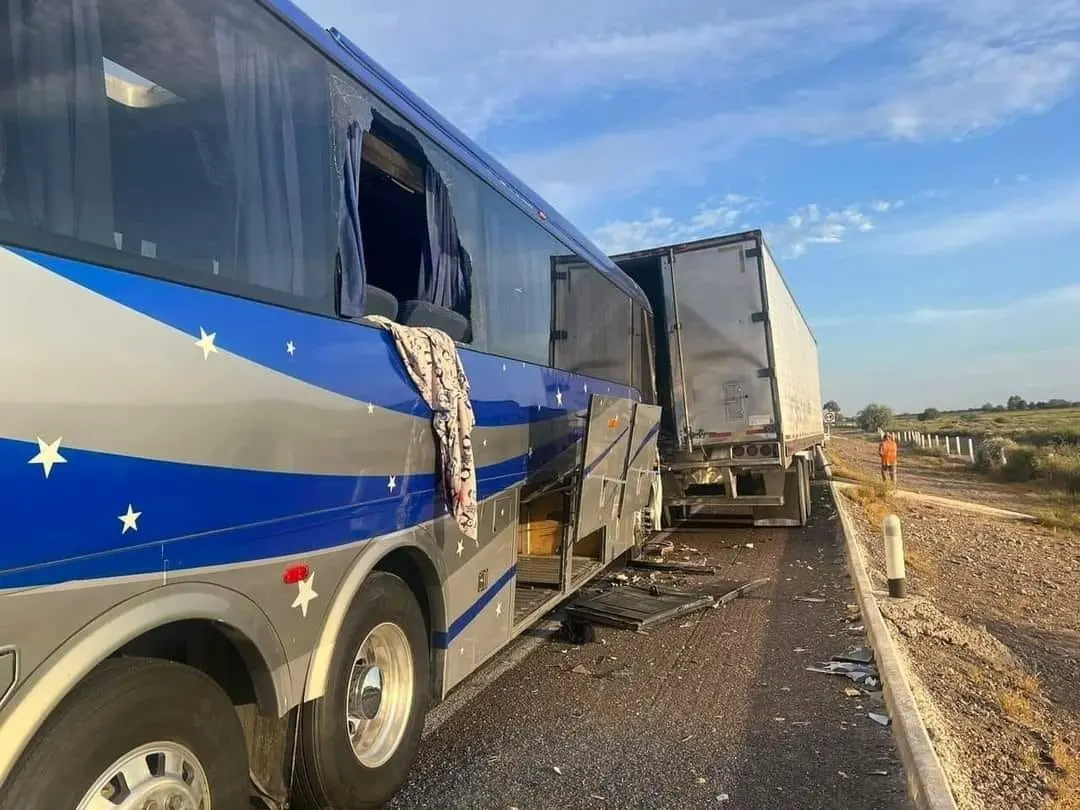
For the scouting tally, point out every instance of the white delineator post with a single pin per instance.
(894, 557)
(971, 450)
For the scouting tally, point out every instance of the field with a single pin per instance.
(1056, 426)
(1041, 449)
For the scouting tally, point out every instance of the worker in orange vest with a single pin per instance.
(887, 451)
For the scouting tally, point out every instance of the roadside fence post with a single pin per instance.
(894, 557)
(971, 450)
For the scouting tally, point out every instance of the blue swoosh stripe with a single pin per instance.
(328, 351)
(67, 527)
(457, 627)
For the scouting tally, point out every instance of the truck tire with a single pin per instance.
(358, 742)
(135, 730)
(806, 478)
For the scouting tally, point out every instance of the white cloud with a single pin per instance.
(657, 228)
(809, 225)
(959, 74)
(481, 62)
(1066, 297)
(1054, 210)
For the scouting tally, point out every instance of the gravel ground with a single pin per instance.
(710, 710)
(992, 634)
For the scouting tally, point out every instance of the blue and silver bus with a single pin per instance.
(234, 556)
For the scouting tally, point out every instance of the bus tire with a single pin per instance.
(377, 695)
(136, 727)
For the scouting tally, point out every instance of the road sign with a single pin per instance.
(830, 417)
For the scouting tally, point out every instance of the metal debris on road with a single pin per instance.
(635, 607)
(856, 655)
(672, 567)
(880, 719)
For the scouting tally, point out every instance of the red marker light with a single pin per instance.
(296, 573)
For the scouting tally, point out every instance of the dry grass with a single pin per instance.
(1017, 708)
(874, 498)
(922, 565)
(1065, 785)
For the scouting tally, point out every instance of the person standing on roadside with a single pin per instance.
(887, 452)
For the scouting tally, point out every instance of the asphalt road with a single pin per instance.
(711, 710)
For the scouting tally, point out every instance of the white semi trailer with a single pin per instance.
(737, 373)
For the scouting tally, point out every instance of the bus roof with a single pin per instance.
(349, 57)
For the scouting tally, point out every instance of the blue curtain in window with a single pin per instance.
(445, 268)
(56, 160)
(350, 243)
(267, 228)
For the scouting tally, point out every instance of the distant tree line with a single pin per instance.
(876, 416)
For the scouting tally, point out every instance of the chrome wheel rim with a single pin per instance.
(155, 776)
(380, 695)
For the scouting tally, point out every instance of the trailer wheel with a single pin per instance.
(803, 472)
(358, 742)
(136, 733)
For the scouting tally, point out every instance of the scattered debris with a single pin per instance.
(557, 769)
(856, 655)
(735, 593)
(879, 773)
(749, 545)
(635, 607)
(852, 692)
(880, 719)
(843, 775)
(723, 797)
(581, 670)
(673, 567)
(814, 599)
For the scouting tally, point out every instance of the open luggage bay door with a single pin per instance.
(641, 473)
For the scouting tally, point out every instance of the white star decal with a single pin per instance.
(484, 443)
(305, 593)
(206, 343)
(290, 347)
(48, 454)
(586, 388)
(392, 483)
(498, 608)
(558, 396)
(460, 547)
(370, 408)
(130, 519)
(504, 367)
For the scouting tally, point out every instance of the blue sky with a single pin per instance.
(914, 163)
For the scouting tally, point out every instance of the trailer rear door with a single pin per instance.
(723, 342)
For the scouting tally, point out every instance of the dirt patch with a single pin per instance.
(991, 633)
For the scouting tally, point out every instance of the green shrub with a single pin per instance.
(988, 453)
(1022, 463)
